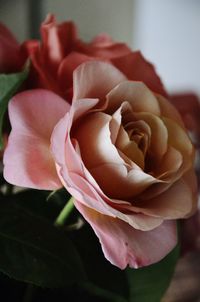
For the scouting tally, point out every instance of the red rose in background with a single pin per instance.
(61, 51)
(189, 107)
(10, 59)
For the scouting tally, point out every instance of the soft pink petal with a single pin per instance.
(28, 160)
(95, 79)
(123, 245)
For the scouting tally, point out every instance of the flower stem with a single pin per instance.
(64, 214)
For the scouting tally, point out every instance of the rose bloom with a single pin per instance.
(10, 58)
(61, 51)
(122, 152)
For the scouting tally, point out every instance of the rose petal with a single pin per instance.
(129, 148)
(178, 138)
(58, 40)
(171, 163)
(137, 68)
(80, 183)
(159, 134)
(95, 129)
(174, 203)
(123, 245)
(104, 158)
(67, 66)
(169, 111)
(28, 160)
(88, 85)
(136, 94)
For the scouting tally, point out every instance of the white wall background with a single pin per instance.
(95, 16)
(168, 33)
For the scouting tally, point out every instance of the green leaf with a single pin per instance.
(149, 284)
(99, 292)
(9, 84)
(105, 280)
(34, 251)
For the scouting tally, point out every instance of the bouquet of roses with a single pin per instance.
(98, 146)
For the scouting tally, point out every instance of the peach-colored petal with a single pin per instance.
(80, 183)
(88, 85)
(137, 68)
(99, 149)
(124, 246)
(28, 160)
(136, 94)
(178, 138)
(104, 158)
(129, 148)
(169, 111)
(171, 163)
(174, 203)
(125, 184)
(159, 134)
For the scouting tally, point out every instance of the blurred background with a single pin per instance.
(167, 33)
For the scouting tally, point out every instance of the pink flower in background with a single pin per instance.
(122, 152)
(61, 51)
(10, 58)
(188, 105)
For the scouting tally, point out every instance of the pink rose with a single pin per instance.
(61, 51)
(10, 58)
(121, 151)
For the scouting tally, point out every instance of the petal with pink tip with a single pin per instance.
(95, 79)
(123, 245)
(27, 159)
(67, 66)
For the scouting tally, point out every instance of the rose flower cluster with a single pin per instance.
(99, 123)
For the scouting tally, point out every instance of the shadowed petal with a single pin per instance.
(123, 245)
